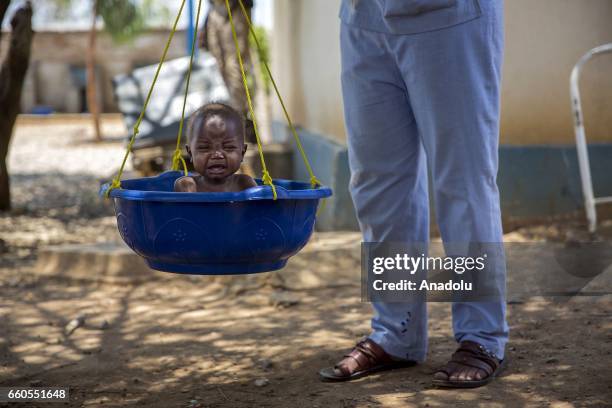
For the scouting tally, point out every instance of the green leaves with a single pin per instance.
(263, 55)
(122, 19)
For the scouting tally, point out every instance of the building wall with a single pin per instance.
(306, 60)
(51, 83)
(544, 39)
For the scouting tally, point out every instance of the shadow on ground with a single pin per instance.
(187, 342)
(59, 195)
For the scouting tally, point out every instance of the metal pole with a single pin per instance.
(581, 144)
(190, 27)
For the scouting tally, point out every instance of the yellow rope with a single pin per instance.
(177, 158)
(116, 183)
(313, 179)
(266, 178)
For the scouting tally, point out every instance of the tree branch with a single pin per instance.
(15, 66)
(13, 72)
(12, 76)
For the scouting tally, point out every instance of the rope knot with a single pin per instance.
(116, 183)
(178, 160)
(267, 180)
(314, 181)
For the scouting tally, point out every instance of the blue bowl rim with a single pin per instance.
(285, 190)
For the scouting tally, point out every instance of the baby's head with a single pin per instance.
(215, 141)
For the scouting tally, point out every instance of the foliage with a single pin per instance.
(263, 55)
(123, 19)
(155, 11)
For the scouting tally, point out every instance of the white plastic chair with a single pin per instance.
(590, 201)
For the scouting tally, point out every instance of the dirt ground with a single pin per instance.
(190, 342)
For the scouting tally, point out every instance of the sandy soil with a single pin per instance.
(189, 342)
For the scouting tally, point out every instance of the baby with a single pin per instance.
(215, 143)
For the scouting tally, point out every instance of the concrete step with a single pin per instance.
(105, 262)
(329, 259)
(332, 259)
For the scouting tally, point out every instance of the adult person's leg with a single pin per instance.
(214, 27)
(232, 74)
(453, 77)
(389, 190)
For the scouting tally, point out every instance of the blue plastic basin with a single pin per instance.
(215, 233)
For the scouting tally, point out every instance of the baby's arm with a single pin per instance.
(245, 181)
(185, 184)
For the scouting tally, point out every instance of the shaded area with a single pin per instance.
(180, 339)
(59, 195)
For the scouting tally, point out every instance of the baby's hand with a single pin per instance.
(185, 185)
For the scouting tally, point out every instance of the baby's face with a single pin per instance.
(217, 148)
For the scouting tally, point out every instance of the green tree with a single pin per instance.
(263, 56)
(123, 20)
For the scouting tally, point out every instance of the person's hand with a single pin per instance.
(185, 185)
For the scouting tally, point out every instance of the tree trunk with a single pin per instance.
(12, 77)
(92, 97)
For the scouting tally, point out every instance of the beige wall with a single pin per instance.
(49, 81)
(544, 39)
(306, 59)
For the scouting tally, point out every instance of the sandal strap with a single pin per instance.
(363, 354)
(366, 354)
(475, 355)
(468, 359)
(471, 354)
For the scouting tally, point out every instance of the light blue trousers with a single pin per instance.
(412, 101)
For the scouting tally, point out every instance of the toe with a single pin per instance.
(455, 375)
(471, 375)
(479, 375)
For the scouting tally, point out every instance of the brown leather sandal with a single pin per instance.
(366, 358)
(470, 356)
